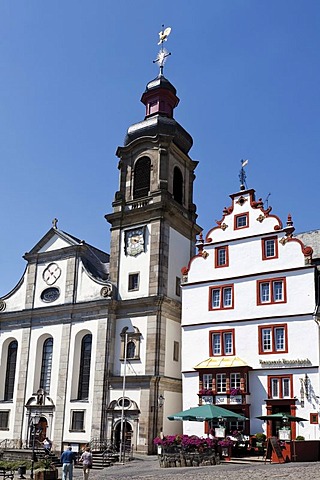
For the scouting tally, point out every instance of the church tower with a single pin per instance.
(153, 232)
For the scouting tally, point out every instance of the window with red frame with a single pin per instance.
(221, 297)
(222, 343)
(221, 257)
(269, 248)
(241, 221)
(271, 291)
(273, 339)
(280, 386)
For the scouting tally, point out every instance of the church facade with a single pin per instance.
(90, 343)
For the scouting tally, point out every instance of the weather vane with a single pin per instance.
(163, 53)
(242, 175)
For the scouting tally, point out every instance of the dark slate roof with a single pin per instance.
(159, 124)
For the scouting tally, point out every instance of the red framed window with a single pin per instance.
(269, 248)
(241, 221)
(222, 343)
(314, 418)
(221, 258)
(273, 339)
(221, 297)
(271, 291)
(280, 386)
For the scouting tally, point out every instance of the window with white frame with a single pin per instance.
(207, 381)
(221, 257)
(269, 248)
(273, 339)
(221, 382)
(222, 342)
(221, 297)
(271, 291)
(235, 380)
(280, 386)
(241, 221)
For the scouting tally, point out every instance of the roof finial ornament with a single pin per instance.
(54, 223)
(163, 53)
(242, 175)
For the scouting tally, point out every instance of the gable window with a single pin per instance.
(221, 297)
(273, 339)
(84, 371)
(271, 291)
(177, 185)
(269, 248)
(10, 371)
(4, 419)
(221, 257)
(222, 343)
(77, 420)
(141, 184)
(133, 282)
(280, 386)
(46, 365)
(241, 221)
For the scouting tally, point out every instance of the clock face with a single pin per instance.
(51, 273)
(135, 242)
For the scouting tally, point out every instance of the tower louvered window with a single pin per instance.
(177, 185)
(141, 185)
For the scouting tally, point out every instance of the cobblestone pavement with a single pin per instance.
(148, 468)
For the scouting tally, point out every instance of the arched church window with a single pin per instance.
(177, 185)
(11, 370)
(141, 185)
(131, 349)
(46, 365)
(84, 371)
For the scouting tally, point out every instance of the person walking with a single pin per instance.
(67, 459)
(86, 459)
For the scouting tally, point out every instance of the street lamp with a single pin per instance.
(33, 422)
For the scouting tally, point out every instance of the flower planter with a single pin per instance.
(46, 475)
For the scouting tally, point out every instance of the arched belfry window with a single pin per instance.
(11, 370)
(46, 365)
(131, 349)
(141, 185)
(84, 370)
(177, 185)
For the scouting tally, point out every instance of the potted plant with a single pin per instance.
(45, 470)
(226, 448)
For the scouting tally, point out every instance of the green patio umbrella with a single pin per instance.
(282, 416)
(206, 412)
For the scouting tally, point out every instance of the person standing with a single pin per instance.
(67, 459)
(47, 445)
(86, 459)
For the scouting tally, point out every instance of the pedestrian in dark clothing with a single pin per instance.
(67, 459)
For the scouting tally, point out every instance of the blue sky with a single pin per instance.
(72, 73)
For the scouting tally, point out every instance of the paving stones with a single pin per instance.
(147, 468)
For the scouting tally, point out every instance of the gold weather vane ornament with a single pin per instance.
(242, 175)
(163, 53)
